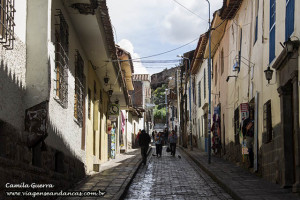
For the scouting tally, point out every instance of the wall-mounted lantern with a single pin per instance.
(268, 74)
(110, 92)
(106, 79)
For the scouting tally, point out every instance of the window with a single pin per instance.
(202, 121)
(216, 74)
(237, 126)
(222, 62)
(61, 59)
(256, 20)
(79, 88)
(89, 103)
(7, 23)
(199, 94)
(268, 121)
(289, 18)
(240, 49)
(204, 82)
(272, 30)
(194, 91)
(199, 128)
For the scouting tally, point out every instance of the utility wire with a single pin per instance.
(158, 53)
(189, 10)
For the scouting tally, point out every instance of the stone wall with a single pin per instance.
(16, 163)
(12, 84)
(233, 152)
(271, 169)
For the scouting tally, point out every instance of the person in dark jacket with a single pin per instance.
(144, 140)
(173, 141)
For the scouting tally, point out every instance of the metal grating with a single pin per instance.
(79, 88)
(61, 58)
(7, 24)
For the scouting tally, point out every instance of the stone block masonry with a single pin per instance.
(20, 164)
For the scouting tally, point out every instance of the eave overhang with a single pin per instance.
(199, 52)
(218, 30)
(230, 8)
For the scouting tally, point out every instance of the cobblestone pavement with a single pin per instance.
(170, 177)
(113, 178)
(237, 181)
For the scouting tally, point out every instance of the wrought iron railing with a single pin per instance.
(79, 88)
(7, 24)
(61, 58)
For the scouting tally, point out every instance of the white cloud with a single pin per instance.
(156, 26)
(181, 26)
(138, 66)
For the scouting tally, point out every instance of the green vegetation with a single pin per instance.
(159, 101)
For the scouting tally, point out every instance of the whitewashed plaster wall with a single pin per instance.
(12, 73)
(64, 132)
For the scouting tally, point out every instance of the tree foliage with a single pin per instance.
(159, 101)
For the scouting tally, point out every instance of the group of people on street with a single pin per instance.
(159, 138)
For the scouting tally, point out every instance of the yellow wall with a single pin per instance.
(94, 123)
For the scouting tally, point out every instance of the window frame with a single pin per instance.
(61, 59)
(272, 31)
(7, 24)
(79, 88)
(267, 121)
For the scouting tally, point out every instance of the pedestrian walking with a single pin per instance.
(173, 141)
(153, 135)
(248, 133)
(144, 140)
(137, 137)
(158, 144)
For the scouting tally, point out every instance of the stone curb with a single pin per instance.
(123, 190)
(215, 178)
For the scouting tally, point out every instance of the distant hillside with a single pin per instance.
(162, 77)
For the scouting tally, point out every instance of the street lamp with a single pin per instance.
(209, 86)
(268, 74)
(189, 65)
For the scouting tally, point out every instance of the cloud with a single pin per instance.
(181, 26)
(138, 66)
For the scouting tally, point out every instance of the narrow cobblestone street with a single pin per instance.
(170, 177)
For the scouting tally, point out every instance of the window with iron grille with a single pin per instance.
(268, 121)
(89, 103)
(79, 88)
(61, 58)
(7, 23)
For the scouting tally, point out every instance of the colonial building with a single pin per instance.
(61, 81)
(251, 39)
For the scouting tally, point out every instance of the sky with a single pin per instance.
(149, 27)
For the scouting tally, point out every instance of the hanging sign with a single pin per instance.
(113, 109)
(244, 111)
